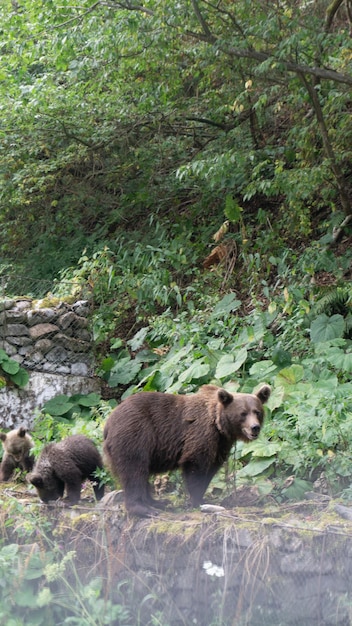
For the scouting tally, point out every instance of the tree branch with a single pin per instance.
(330, 13)
(202, 21)
(250, 53)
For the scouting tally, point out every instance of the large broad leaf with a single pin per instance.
(262, 369)
(60, 405)
(260, 449)
(255, 467)
(138, 340)
(21, 378)
(227, 305)
(10, 367)
(290, 375)
(227, 365)
(197, 370)
(91, 399)
(340, 359)
(297, 489)
(3, 355)
(276, 398)
(157, 381)
(324, 328)
(124, 371)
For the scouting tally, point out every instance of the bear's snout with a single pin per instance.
(251, 429)
(255, 430)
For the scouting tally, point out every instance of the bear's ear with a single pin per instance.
(22, 431)
(225, 397)
(36, 480)
(3, 436)
(264, 394)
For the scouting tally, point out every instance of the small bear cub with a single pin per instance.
(64, 466)
(17, 444)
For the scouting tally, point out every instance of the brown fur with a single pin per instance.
(154, 432)
(65, 465)
(17, 445)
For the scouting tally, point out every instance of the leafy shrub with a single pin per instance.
(12, 371)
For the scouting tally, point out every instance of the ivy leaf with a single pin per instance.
(325, 328)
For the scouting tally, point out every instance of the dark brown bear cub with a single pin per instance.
(17, 446)
(65, 465)
(154, 432)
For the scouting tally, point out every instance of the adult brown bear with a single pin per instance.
(153, 432)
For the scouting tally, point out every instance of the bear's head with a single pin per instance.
(48, 485)
(240, 415)
(17, 443)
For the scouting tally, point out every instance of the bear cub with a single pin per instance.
(17, 444)
(153, 432)
(64, 466)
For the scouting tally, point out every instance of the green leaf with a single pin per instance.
(91, 399)
(297, 490)
(21, 378)
(107, 364)
(340, 360)
(3, 356)
(60, 405)
(228, 304)
(138, 340)
(124, 371)
(255, 467)
(324, 328)
(9, 551)
(290, 375)
(227, 364)
(197, 370)
(276, 398)
(10, 367)
(262, 369)
(232, 209)
(263, 449)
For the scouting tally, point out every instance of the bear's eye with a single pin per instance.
(243, 415)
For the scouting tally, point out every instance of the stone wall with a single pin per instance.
(222, 570)
(54, 345)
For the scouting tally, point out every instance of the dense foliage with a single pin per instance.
(114, 112)
(187, 167)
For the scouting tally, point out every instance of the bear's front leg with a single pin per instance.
(196, 481)
(7, 468)
(73, 493)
